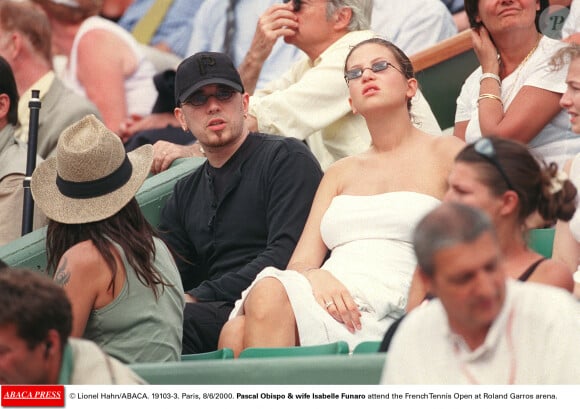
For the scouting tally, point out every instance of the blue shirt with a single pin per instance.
(209, 32)
(175, 29)
(454, 6)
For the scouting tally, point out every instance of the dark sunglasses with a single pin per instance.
(376, 67)
(198, 98)
(484, 148)
(297, 4)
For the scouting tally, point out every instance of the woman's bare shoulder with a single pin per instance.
(555, 273)
(344, 167)
(83, 256)
(448, 142)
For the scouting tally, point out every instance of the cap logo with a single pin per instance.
(204, 63)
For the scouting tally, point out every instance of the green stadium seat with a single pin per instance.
(156, 189)
(364, 369)
(224, 353)
(441, 71)
(542, 241)
(334, 348)
(29, 250)
(367, 347)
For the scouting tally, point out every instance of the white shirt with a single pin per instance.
(310, 102)
(544, 329)
(412, 25)
(572, 23)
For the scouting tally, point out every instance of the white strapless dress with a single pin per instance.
(370, 238)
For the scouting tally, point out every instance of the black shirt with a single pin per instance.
(225, 225)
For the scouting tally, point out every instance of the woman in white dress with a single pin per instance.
(363, 213)
(567, 237)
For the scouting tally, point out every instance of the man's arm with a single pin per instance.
(278, 21)
(291, 188)
(304, 100)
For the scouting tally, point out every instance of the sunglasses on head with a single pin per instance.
(198, 98)
(297, 4)
(484, 148)
(376, 67)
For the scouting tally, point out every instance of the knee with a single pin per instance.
(232, 334)
(268, 298)
(233, 329)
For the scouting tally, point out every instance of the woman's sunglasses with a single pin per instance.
(484, 148)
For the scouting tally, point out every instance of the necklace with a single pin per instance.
(519, 68)
(511, 349)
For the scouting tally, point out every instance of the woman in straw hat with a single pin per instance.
(122, 281)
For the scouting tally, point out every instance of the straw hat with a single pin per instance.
(91, 177)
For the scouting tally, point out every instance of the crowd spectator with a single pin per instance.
(508, 183)
(502, 95)
(239, 212)
(567, 235)
(13, 159)
(25, 37)
(35, 327)
(121, 278)
(482, 328)
(309, 102)
(105, 63)
(362, 214)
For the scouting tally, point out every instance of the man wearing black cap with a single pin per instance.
(243, 210)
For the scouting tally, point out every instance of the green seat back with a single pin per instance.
(334, 348)
(364, 369)
(367, 347)
(441, 84)
(156, 189)
(541, 241)
(29, 251)
(224, 353)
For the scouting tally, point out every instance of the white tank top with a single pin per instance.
(139, 87)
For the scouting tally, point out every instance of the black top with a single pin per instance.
(528, 273)
(225, 225)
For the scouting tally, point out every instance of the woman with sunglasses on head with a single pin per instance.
(362, 218)
(505, 180)
(514, 94)
(567, 237)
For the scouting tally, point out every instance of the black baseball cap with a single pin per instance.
(205, 68)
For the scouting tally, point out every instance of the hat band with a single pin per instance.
(98, 187)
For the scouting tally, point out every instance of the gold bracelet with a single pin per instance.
(489, 96)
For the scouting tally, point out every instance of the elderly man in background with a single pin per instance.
(310, 101)
(25, 42)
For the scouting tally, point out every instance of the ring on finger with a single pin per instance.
(328, 304)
